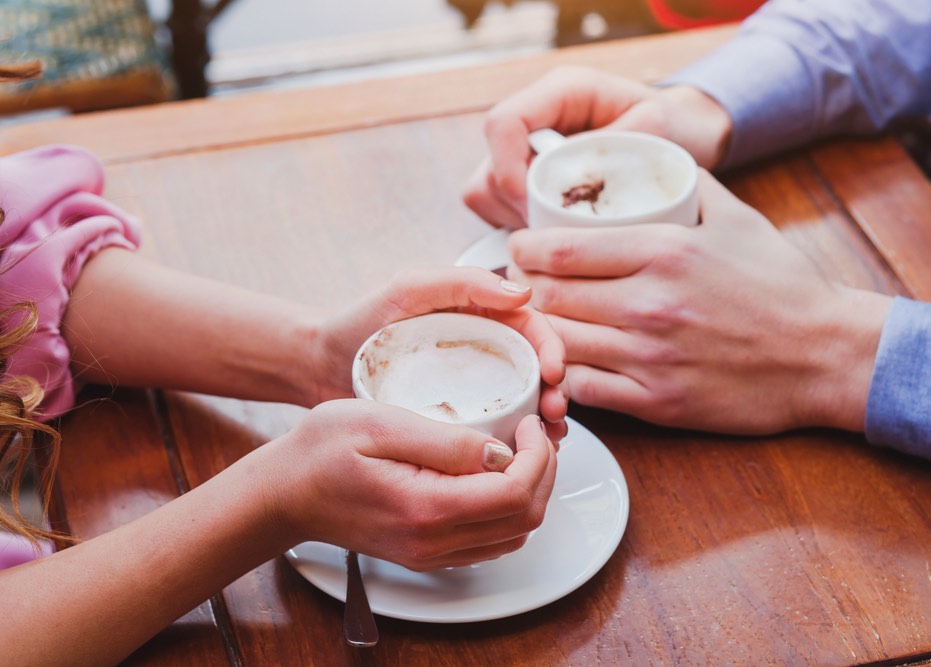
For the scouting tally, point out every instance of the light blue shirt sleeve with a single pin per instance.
(799, 70)
(898, 411)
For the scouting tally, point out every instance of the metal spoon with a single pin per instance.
(358, 622)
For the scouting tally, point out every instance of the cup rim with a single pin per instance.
(574, 140)
(531, 389)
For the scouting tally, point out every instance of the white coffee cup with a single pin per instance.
(607, 178)
(453, 367)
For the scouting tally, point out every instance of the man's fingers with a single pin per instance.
(483, 196)
(591, 252)
(600, 345)
(569, 100)
(598, 388)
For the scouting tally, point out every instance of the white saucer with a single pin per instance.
(584, 523)
(489, 252)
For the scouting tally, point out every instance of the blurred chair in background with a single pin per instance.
(95, 54)
(189, 22)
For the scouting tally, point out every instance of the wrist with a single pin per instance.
(698, 123)
(299, 368)
(847, 358)
(293, 470)
(265, 478)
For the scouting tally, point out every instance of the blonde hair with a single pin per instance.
(19, 398)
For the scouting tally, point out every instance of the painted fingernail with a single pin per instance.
(496, 457)
(516, 288)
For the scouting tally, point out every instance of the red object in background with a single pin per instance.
(682, 14)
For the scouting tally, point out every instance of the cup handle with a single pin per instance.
(544, 140)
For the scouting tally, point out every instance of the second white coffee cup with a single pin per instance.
(607, 178)
(453, 367)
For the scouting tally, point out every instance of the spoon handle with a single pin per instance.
(358, 621)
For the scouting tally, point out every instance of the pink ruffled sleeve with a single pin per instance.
(55, 221)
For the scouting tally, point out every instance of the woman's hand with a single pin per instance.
(395, 485)
(725, 326)
(374, 478)
(576, 99)
(469, 290)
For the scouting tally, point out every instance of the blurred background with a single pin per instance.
(111, 53)
(299, 43)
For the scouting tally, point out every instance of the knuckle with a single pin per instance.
(474, 197)
(670, 404)
(498, 119)
(421, 521)
(406, 288)
(535, 516)
(675, 249)
(520, 499)
(563, 256)
(367, 424)
(416, 556)
(458, 456)
(658, 354)
(510, 184)
(658, 311)
(583, 390)
(546, 296)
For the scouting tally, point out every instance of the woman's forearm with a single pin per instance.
(96, 602)
(136, 323)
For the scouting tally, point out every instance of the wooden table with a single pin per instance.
(805, 548)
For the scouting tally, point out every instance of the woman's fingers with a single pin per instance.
(535, 327)
(415, 292)
(450, 449)
(554, 405)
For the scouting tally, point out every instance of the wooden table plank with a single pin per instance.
(114, 468)
(890, 198)
(815, 222)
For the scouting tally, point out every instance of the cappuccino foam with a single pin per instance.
(450, 380)
(452, 367)
(628, 183)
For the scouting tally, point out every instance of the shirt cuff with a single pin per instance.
(765, 89)
(898, 411)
